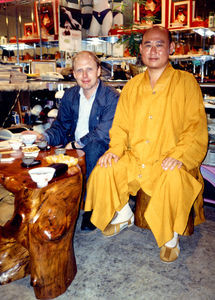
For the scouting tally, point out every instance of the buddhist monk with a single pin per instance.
(159, 135)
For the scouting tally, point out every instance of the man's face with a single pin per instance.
(86, 72)
(155, 48)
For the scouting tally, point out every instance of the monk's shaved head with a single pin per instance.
(162, 29)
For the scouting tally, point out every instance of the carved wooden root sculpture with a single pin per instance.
(38, 239)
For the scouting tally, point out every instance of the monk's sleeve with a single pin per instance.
(193, 141)
(119, 131)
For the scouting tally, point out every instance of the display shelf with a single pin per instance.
(12, 47)
(35, 85)
(30, 44)
(116, 60)
(207, 85)
(209, 105)
(203, 31)
(191, 57)
(50, 85)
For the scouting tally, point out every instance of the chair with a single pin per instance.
(196, 214)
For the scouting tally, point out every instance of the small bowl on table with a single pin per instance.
(27, 161)
(30, 151)
(42, 175)
(60, 151)
(42, 145)
(28, 139)
(15, 144)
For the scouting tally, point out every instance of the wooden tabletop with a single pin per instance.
(14, 171)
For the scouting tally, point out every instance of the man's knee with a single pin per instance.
(93, 151)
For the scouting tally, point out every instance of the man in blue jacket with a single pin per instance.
(85, 115)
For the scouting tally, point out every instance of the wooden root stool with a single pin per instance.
(196, 214)
(142, 200)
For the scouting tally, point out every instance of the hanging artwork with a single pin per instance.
(46, 17)
(151, 12)
(69, 29)
(180, 14)
(28, 29)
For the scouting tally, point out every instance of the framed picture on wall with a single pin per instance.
(152, 12)
(180, 14)
(46, 15)
(28, 29)
(69, 29)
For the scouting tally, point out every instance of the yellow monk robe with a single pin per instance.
(150, 125)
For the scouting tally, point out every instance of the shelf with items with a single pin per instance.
(207, 85)
(200, 57)
(196, 40)
(195, 45)
(203, 31)
(197, 61)
(105, 45)
(29, 50)
(125, 61)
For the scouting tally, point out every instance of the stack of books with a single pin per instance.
(11, 74)
(17, 77)
(4, 76)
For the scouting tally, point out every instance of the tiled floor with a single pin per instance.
(127, 267)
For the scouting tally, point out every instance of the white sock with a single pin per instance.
(123, 215)
(172, 243)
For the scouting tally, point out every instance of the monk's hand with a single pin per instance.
(170, 163)
(106, 159)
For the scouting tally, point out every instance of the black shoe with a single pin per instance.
(86, 224)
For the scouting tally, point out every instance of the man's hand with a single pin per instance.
(170, 163)
(106, 159)
(69, 146)
(40, 137)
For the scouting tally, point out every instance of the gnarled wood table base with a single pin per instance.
(38, 240)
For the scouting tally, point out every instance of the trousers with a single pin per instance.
(93, 151)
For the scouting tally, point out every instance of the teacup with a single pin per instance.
(28, 139)
(15, 144)
(42, 175)
(42, 144)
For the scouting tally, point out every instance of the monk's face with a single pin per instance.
(155, 48)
